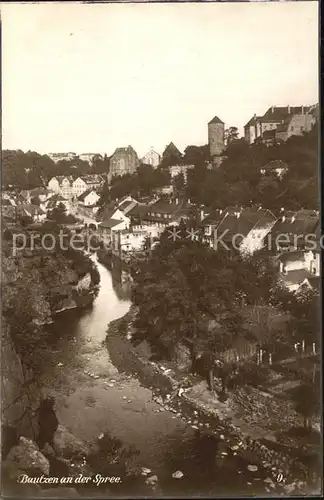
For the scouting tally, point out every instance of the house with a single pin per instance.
(89, 198)
(209, 223)
(311, 283)
(152, 158)
(252, 129)
(62, 185)
(108, 226)
(275, 167)
(163, 190)
(139, 220)
(244, 229)
(56, 200)
(25, 195)
(172, 154)
(41, 193)
(280, 123)
(9, 213)
(88, 157)
(162, 214)
(129, 240)
(86, 182)
(124, 161)
(299, 259)
(294, 230)
(126, 204)
(176, 170)
(56, 157)
(37, 214)
(293, 279)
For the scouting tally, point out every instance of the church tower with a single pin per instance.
(216, 136)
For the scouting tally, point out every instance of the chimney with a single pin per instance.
(189, 202)
(255, 116)
(281, 268)
(293, 219)
(272, 108)
(202, 215)
(238, 215)
(177, 201)
(283, 218)
(288, 109)
(302, 111)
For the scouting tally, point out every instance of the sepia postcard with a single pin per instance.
(161, 250)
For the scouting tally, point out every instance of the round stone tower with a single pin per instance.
(216, 136)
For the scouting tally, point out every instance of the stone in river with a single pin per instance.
(96, 376)
(151, 480)
(221, 437)
(146, 471)
(195, 427)
(59, 364)
(252, 468)
(177, 474)
(110, 385)
(235, 447)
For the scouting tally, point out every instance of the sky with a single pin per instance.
(93, 77)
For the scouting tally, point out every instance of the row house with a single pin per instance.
(124, 161)
(281, 122)
(152, 158)
(86, 182)
(62, 185)
(67, 187)
(162, 214)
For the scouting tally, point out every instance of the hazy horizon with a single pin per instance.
(94, 77)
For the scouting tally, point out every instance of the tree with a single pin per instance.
(185, 285)
(179, 185)
(196, 155)
(307, 403)
(231, 134)
(105, 196)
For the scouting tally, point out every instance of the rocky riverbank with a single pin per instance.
(71, 468)
(191, 401)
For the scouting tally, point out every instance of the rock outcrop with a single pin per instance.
(67, 445)
(26, 457)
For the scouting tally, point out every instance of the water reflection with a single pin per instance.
(121, 280)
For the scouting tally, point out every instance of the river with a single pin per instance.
(93, 397)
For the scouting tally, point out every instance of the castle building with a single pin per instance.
(152, 158)
(124, 161)
(216, 140)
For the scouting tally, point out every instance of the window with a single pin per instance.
(292, 129)
(165, 216)
(302, 129)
